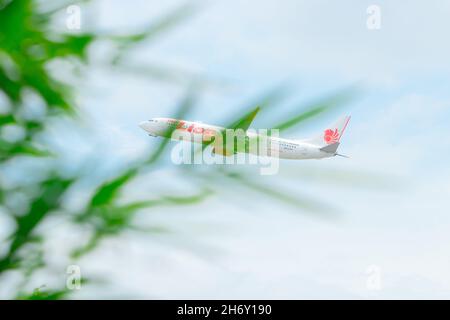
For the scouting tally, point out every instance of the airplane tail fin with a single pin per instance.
(329, 139)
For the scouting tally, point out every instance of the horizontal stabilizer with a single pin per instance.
(331, 148)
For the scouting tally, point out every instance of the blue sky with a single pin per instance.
(254, 248)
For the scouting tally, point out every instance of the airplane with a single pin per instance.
(323, 145)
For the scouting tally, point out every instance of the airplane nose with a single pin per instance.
(145, 125)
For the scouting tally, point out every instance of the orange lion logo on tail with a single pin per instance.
(331, 136)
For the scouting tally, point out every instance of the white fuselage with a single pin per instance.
(286, 149)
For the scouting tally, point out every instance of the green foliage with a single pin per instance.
(305, 204)
(41, 205)
(44, 294)
(108, 191)
(155, 29)
(316, 108)
(27, 46)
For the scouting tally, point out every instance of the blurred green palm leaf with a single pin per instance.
(310, 111)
